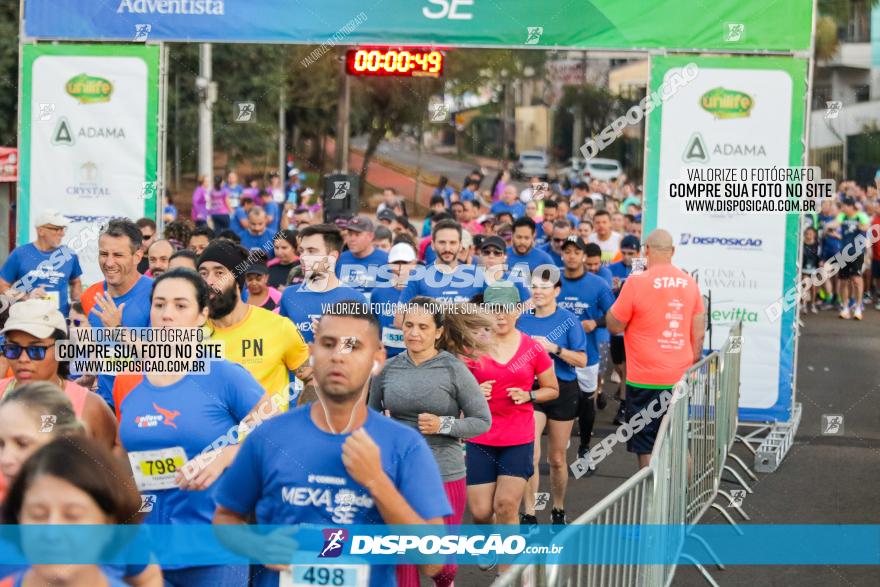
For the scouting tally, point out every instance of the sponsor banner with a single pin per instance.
(743, 112)
(748, 25)
(89, 124)
(345, 546)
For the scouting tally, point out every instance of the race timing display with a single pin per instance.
(394, 62)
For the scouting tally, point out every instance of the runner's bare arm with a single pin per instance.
(76, 288)
(698, 331)
(100, 421)
(614, 325)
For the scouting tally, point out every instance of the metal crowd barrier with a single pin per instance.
(672, 493)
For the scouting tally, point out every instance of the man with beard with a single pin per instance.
(372, 469)
(523, 250)
(267, 345)
(123, 298)
(446, 280)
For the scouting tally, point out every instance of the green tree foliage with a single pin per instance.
(9, 73)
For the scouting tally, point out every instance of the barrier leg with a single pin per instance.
(708, 548)
(744, 466)
(746, 443)
(702, 570)
(727, 517)
(739, 479)
(735, 506)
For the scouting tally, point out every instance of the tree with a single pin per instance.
(384, 106)
(9, 73)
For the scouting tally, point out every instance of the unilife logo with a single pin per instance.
(208, 7)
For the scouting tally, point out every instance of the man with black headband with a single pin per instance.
(264, 343)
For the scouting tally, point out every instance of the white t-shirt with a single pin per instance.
(609, 247)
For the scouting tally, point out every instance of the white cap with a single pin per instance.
(293, 172)
(401, 252)
(467, 240)
(52, 217)
(37, 317)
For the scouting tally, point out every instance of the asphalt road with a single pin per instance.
(823, 479)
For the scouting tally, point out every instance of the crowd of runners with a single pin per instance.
(378, 371)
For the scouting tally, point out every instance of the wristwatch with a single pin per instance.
(533, 397)
(558, 351)
(446, 425)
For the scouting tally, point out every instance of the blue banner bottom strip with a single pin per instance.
(196, 545)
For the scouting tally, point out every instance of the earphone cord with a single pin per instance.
(327, 414)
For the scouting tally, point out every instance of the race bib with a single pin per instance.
(329, 575)
(54, 297)
(392, 338)
(156, 469)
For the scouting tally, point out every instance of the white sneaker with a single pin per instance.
(814, 309)
(857, 314)
(844, 314)
(615, 376)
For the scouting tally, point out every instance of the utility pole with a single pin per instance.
(207, 96)
(342, 121)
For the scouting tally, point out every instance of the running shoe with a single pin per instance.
(844, 314)
(487, 561)
(558, 517)
(814, 309)
(528, 521)
(618, 418)
(877, 306)
(857, 313)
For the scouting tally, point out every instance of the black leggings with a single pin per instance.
(586, 417)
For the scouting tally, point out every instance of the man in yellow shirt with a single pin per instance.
(264, 343)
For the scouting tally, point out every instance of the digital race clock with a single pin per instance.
(396, 62)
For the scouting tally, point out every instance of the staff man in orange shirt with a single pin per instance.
(660, 314)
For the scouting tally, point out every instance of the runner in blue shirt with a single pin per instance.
(360, 467)
(829, 245)
(239, 223)
(358, 266)
(384, 301)
(509, 203)
(181, 430)
(258, 235)
(45, 267)
(629, 249)
(319, 246)
(588, 296)
(593, 263)
(273, 212)
(493, 258)
(560, 333)
(524, 250)
(123, 298)
(446, 280)
(561, 231)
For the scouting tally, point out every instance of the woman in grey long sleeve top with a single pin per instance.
(428, 388)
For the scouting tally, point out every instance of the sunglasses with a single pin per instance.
(493, 253)
(13, 351)
(559, 240)
(75, 322)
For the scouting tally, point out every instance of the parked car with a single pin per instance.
(573, 171)
(532, 164)
(602, 169)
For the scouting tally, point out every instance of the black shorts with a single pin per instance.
(564, 407)
(853, 268)
(486, 463)
(618, 350)
(638, 399)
